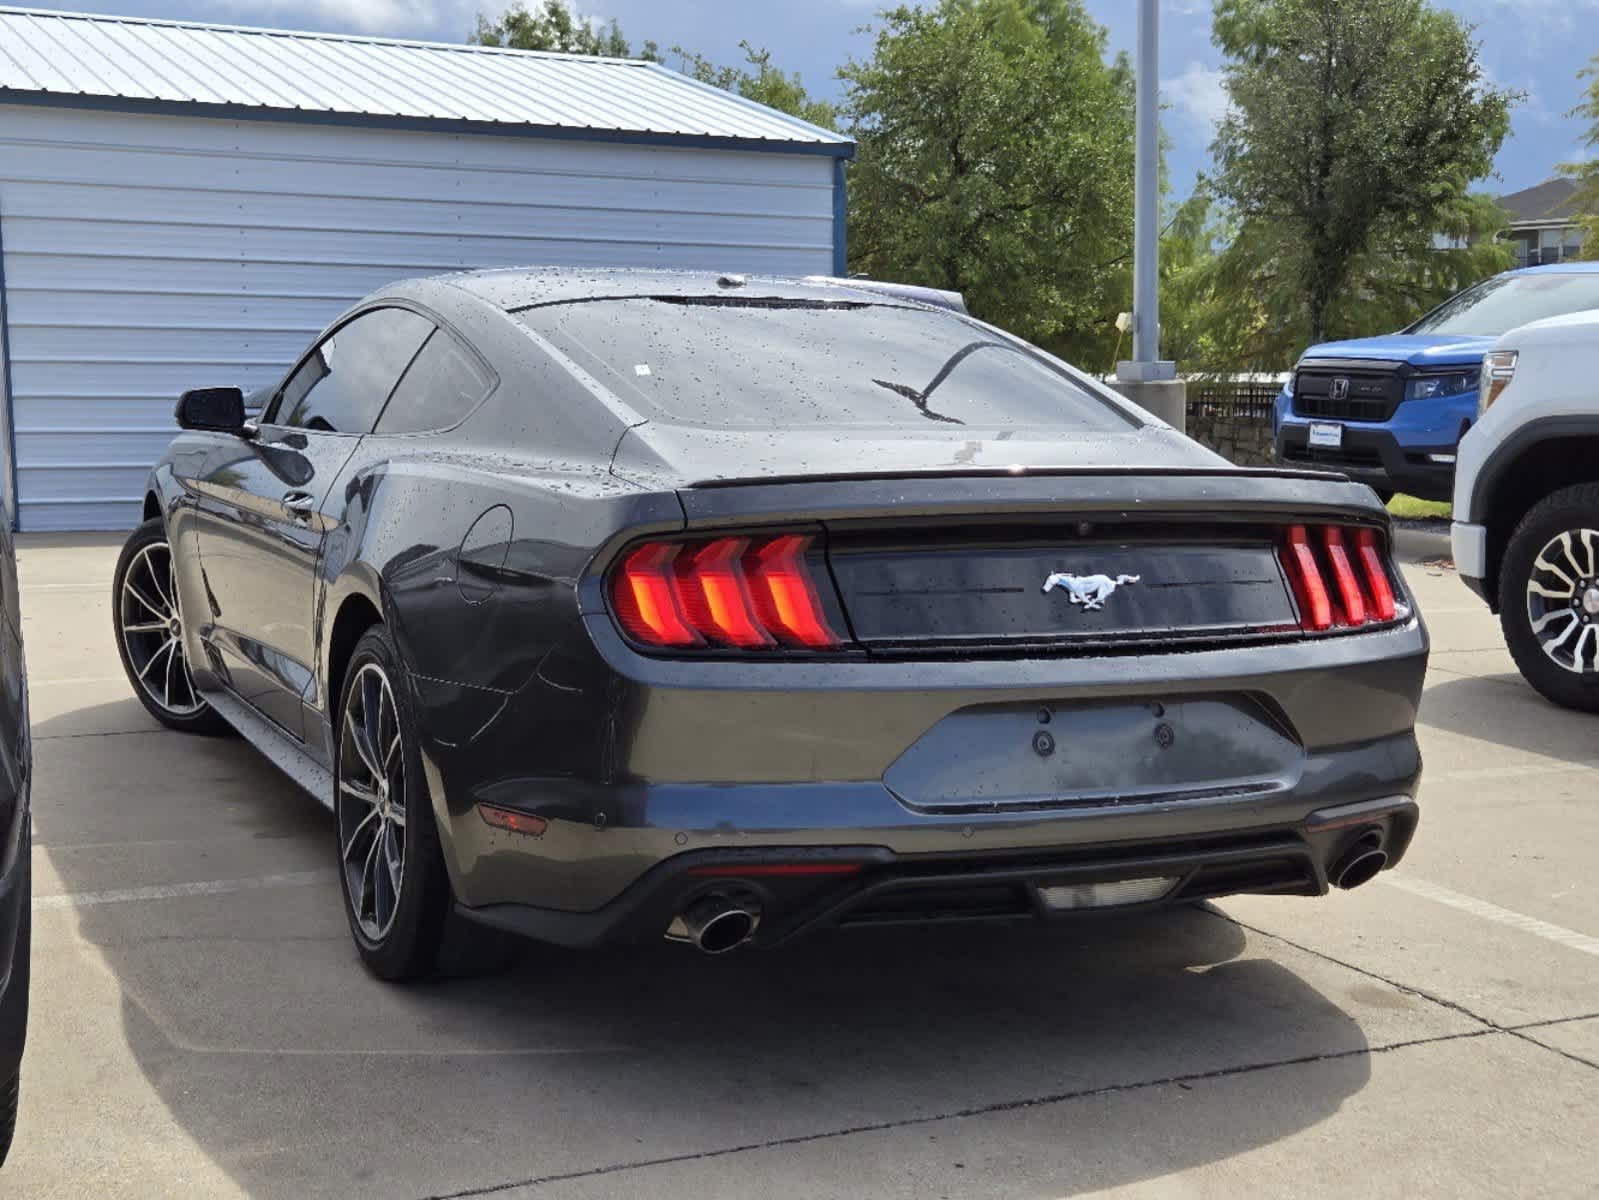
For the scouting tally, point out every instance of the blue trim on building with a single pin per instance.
(244, 112)
(840, 221)
(10, 497)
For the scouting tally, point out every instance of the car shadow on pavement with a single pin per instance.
(288, 1066)
(1505, 710)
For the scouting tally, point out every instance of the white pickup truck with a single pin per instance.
(1526, 532)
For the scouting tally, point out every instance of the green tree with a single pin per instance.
(1230, 300)
(1587, 173)
(554, 26)
(1209, 316)
(995, 158)
(760, 81)
(1354, 130)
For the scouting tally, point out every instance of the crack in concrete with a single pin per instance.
(999, 1106)
(1491, 1026)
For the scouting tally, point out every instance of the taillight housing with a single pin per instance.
(1340, 577)
(751, 593)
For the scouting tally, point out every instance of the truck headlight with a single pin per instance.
(1498, 369)
(1438, 387)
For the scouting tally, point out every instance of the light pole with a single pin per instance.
(1148, 380)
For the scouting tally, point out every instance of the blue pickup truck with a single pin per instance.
(1390, 410)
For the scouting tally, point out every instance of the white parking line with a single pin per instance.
(172, 891)
(1514, 771)
(82, 679)
(1492, 912)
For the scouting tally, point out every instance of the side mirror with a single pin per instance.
(219, 410)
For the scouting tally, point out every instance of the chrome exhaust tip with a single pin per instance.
(715, 924)
(1360, 865)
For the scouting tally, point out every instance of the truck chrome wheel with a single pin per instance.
(152, 632)
(1563, 600)
(371, 801)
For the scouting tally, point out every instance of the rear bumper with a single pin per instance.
(805, 890)
(1373, 455)
(610, 756)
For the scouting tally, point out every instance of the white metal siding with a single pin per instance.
(149, 254)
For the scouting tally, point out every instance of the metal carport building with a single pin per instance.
(186, 205)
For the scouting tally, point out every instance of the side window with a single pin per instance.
(443, 383)
(342, 386)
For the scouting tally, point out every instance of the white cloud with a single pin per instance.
(1198, 97)
(391, 18)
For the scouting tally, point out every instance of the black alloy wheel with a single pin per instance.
(148, 622)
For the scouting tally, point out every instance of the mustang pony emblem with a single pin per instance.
(1091, 591)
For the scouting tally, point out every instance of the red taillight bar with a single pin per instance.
(643, 597)
(1376, 575)
(715, 596)
(742, 593)
(1315, 609)
(1344, 577)
(785, 596)
(1361, 592)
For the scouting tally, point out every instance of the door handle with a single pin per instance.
(300, 504)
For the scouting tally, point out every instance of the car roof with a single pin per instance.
(515, 288)
(1565, 268)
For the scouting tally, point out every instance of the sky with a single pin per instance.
(1535, 46)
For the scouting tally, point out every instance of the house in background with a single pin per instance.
(1543, 223)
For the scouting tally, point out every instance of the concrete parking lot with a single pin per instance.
(202, 1027)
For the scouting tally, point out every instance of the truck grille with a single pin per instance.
(1344, 456)
(1347, 392)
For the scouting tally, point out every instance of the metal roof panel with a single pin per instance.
(45, 53)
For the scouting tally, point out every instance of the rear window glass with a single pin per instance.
(1507, 301)
(753, 362)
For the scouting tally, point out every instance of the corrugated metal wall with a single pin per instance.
(147, 254)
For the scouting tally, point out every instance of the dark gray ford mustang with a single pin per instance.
(621, 604)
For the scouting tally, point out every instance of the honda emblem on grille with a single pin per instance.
(1091, 591)
(1338, 389)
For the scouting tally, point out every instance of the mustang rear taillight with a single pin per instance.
(644, 599)
(1339, 576)
(741, 593)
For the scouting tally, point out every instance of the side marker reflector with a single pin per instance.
(512, 821)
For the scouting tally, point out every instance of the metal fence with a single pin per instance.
(1247, 399)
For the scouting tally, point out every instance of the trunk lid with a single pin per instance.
(654, 452)
(1059, 584)
(1093, 559)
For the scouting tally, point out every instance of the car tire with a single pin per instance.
(147, 626)
(14, 1010)
(391, 868)
(1557, 654)
(9, 1095)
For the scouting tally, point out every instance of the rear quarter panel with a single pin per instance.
(474, 567)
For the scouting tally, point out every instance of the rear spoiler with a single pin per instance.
(1024, 473)
(938, 298)
(1187, 492)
